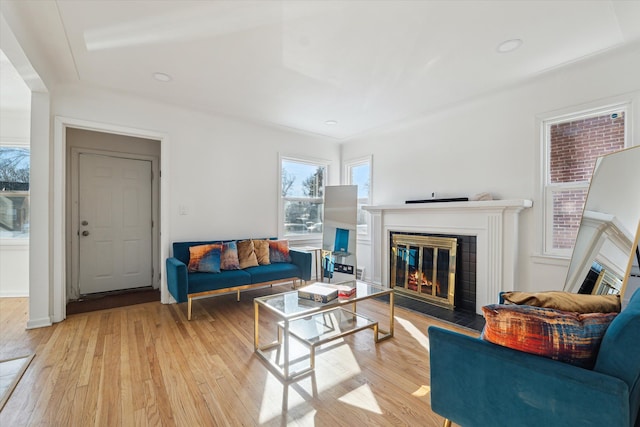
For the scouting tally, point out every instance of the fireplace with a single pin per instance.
(439, 269)
(493, 225)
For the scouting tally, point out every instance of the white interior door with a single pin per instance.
(114, 223)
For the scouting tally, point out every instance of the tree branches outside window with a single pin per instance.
(14, 192)
(14, 169)
(302, 186)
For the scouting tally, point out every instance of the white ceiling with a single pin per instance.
(297, 64)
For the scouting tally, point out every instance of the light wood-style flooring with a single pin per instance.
(148, 365)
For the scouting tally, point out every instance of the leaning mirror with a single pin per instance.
(606, 244)
(339, 232)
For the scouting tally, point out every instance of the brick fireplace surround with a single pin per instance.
(494, 223)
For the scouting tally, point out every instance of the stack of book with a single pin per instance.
(345, 290)
(318, 292)
(325, 292)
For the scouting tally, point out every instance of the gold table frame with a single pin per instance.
(289, 309)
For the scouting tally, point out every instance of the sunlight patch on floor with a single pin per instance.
(422, 391)
(277, 397)
(363, 398)
(420, 337)
(335, 363)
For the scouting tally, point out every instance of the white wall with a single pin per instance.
(14, 126)
(14, 253)
(14, 269)
(223, 172)
(492, 144)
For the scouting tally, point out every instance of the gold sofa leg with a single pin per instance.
(189, 308)
(447, 423)
(238, 296)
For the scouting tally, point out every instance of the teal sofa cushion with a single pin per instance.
(202, 282)
(619, 354)
(272, 272)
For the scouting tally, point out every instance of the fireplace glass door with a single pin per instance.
(425, 267)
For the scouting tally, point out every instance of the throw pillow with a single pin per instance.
(279, 251)
(246, 254)
(229, 257)
(560, 335)
(261, 248)
(566, 301)
(204, 258)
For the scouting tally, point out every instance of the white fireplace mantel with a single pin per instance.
(493, 222)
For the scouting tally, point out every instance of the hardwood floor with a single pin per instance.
(147, 365)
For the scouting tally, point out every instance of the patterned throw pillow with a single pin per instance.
(279, 251)
(229, 257)
(204, 258)
(246, 254)
(261, 248)
(560, 335)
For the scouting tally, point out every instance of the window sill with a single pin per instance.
(14, 243)
(303, 241)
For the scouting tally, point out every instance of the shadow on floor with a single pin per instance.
(466, 319)
(105, 300)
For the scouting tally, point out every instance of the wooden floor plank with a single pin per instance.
(148, 365)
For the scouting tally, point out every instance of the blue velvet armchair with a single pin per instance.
(477, 383)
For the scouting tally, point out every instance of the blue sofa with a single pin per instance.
(477, 383)
(185, 286)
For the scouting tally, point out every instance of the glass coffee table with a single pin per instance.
(314, 323)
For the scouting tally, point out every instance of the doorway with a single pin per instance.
(113, 229)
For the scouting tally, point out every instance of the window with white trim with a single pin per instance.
(358, 172)
(14, 191)
(302, 197)
(572, 144)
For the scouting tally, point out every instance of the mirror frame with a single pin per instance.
(594, 225)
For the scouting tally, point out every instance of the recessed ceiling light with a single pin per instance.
(509, 45)
(331, 122)
(162, 77)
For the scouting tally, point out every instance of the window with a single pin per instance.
(302, 197)
(14, 192)
(358, 172)
(572, 145)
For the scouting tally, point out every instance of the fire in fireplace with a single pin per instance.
(434, 268)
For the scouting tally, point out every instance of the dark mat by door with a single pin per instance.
(102, 301)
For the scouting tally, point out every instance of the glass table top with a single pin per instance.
(288, 305)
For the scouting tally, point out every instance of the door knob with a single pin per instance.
(85, 233)
(85, 222)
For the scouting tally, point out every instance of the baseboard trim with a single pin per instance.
(43, 322)
(14, 294)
